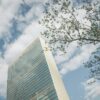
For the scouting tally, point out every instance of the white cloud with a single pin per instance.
(77, 60)
(37, 1)
(92, 89)
(3, 77)
(8, 9)
(15, 49)
(60, 57)
(35, 11)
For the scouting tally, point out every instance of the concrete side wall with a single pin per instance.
(58, 84)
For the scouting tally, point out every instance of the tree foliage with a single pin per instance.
(94, 64)
(65, 23)
(64, 26)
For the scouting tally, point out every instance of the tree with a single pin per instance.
(63, 24)
(94, 64)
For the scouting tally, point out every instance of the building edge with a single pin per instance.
(58, 83)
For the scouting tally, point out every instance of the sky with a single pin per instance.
(19, 27)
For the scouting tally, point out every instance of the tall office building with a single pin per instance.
(34, 76)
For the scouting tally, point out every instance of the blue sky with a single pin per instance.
(18, 28)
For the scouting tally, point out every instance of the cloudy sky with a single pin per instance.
(19, 27)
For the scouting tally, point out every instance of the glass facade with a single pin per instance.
(29, 77)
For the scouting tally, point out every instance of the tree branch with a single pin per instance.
(94, 40)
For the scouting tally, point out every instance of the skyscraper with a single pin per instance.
(34, 75)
